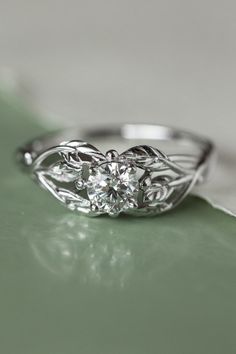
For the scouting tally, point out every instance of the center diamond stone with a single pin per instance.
(113, 187)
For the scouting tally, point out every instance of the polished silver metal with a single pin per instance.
(141, 180)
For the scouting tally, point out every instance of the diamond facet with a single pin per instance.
(113, 187)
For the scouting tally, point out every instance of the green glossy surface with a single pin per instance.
(71, 284)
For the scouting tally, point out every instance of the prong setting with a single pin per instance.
(113, 185)
(112, 155)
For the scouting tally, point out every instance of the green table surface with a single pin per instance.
(71, 284)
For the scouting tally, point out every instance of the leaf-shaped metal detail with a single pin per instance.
(73, 200)
(145, 157)
(156, 193)
(61, 170)
(165, 182)
(83, 153)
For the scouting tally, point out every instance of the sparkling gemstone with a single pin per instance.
(113, 187)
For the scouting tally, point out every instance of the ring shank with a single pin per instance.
(126, 132)
(156, 133)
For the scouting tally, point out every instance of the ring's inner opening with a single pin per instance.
(171, 141)
(168, 140)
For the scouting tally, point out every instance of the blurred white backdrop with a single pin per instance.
(171, 62)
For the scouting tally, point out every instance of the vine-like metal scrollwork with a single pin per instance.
(141, 180)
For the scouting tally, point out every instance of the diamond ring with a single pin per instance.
(138, 180)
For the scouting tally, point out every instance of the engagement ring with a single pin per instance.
(139, 180)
